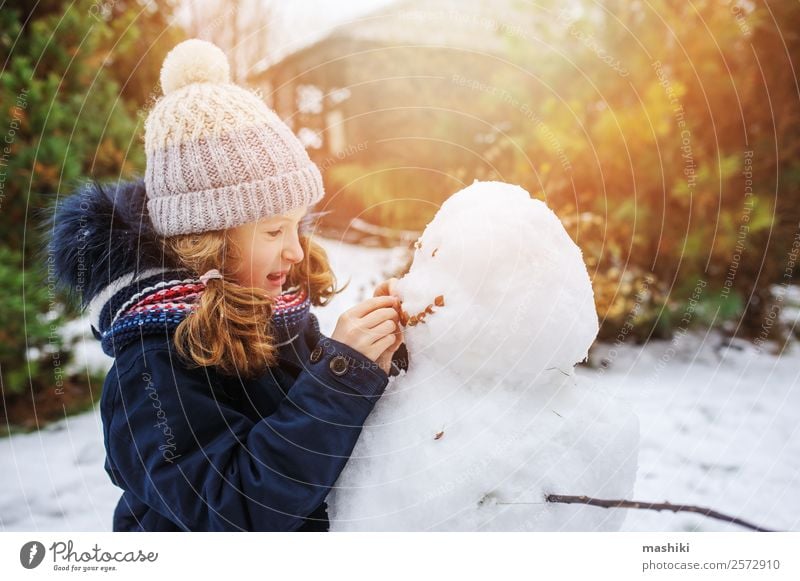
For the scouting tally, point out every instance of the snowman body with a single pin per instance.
(490, 418)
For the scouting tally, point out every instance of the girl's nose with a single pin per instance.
(293, 252)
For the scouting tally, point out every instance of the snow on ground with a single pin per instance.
(719, 429)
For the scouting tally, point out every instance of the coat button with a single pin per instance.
(316, 354)
(339, 365)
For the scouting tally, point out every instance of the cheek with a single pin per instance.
(263, 259)
(259, 261)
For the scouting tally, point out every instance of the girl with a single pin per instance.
(225, 407)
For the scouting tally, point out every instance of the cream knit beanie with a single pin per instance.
(217, 156)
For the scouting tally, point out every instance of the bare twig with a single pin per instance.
(652, 506)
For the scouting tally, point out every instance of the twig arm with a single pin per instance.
(659, 506)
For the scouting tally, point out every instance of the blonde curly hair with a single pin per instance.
(229, 329)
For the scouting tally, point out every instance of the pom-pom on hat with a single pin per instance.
(217, 156)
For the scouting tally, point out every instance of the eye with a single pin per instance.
(276, 233)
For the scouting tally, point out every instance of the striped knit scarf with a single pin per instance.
(159, 302)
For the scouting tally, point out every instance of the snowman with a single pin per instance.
(490, 418)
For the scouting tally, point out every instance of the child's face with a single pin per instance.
(267, 247)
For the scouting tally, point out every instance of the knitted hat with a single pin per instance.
(217, 156)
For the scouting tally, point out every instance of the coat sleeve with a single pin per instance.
(200, 462)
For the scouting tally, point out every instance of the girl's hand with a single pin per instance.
(369, 327)
(385, 359)
(387, 288)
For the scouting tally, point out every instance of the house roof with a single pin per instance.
(475, 26)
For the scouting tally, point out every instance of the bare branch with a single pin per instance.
(652, 506)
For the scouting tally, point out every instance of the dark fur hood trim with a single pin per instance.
(100, 233)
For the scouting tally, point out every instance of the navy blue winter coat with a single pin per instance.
(199, 451)
(193, 449)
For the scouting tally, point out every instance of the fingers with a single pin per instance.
(398, 341)
(383, 330)
(376, 320)
(386, 355)
(369, 305)
(384, 342)
(378, 316)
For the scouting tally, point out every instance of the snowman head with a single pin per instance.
(498, 289)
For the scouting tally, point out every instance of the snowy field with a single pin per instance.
(719, 428)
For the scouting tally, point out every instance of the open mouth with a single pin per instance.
(412, 320)
(278, 278)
